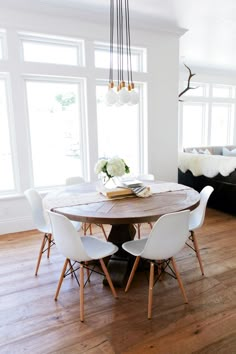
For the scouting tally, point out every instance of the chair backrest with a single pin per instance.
(67, 239)
(146, 177)
(36, 204)
(168, 236)
(197, 216)
(74, 180)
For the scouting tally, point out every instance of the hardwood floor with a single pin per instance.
(32, 322)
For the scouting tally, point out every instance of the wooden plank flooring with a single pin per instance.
(32, 322)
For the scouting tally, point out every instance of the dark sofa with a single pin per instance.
(224, 196)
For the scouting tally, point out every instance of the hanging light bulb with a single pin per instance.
(134, 96)
(123, 95)
(111, 96)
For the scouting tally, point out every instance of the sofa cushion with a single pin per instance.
(227, 152)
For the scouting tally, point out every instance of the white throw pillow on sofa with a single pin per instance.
(206, 152)
(227, 152)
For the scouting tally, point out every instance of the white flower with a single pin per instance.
(100, 165)
(114, 167)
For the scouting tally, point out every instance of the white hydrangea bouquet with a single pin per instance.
(113, 167)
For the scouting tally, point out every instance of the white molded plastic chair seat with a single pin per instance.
(144, 177)
(41, 223)
(77, 180)
(80, 249)
(166, 239)
(196, 220)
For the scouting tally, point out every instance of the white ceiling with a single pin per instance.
(209, 42)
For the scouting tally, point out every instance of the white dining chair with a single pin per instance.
(86, 226)
(79, 249)
(196, 220)
(144, 178)
(41, 223)
(166, 239)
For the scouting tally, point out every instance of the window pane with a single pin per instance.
(193, 118)
(6, 175)
(54, 131)
(220, 124)
(199, 89)
(118, 131)
(1, 48)
(50, 53)
(222, 91)
(102, 57)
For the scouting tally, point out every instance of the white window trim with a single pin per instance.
(140, 52)
(142, 124)
(4, 45)
(54, 40)
(82, 116)
(209, 100)
(11, 127)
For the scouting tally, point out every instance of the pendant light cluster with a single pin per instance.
(124, 92)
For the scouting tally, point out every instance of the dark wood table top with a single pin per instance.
(128, 210)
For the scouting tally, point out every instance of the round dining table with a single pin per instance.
(84, 203)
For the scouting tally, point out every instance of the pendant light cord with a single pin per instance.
(111, 40)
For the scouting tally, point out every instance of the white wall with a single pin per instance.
(162, 98)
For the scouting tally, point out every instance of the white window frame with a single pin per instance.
(209, 100)
(142, 123)
(11, 127)
(82, 116)
(140, 52)
(53, 40)
(3, 38)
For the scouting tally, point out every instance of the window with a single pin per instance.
(199, 90)
(207, 117)
(193, 124)
(54, 50)
(120, 131)
(102, 57)
(54, 110)
(220, 124)
(222, 91)
(3, 48)
(6, 167)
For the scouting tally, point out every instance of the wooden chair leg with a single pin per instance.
(197, 252)
(136, 262)
(104, 268)
(103, 230)
(61, 278)
(90, 229)
(150, 292)
(139, 230)
(49, 245)
(81, 292)
(150, 224)
(71, 267)
(179, 280)
(85, 228)
(44, 241)
(87, 270)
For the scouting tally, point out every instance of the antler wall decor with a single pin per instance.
(188, 84)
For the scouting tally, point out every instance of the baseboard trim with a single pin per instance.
(16, 225)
